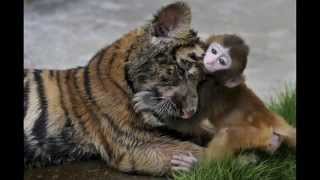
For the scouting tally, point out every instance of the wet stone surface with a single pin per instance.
(95, 170)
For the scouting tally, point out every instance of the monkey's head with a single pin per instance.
(226, 59)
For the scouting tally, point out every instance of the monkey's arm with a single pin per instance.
(202, 132)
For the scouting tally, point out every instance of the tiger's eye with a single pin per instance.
(187, 64)
(170, 72)
(164, 78)
(193, 56)
(180, 71)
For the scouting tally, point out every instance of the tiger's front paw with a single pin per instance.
(183, 162)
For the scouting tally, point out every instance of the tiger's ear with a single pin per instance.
(172, 20)
(235, 81)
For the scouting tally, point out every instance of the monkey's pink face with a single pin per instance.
(217, 58)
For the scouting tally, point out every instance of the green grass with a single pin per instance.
(285, 104)
(281, 165)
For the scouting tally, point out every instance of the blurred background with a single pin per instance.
(67, 33)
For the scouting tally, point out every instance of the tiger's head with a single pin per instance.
(166, 74)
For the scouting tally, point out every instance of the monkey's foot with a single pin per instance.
(183, 162)
(274, 144)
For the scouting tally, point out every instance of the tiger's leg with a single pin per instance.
(183, 162)
(157, 157)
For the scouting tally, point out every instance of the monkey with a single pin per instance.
(189, 58)
(240, 119)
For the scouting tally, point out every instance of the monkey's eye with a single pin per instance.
(213, 51)
(222, 61)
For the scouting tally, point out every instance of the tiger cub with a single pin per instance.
(84, 112)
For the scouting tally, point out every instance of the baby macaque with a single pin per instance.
(240, 119)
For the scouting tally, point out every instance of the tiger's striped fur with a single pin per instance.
(86, 111)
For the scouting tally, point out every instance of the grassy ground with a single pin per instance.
(281, 165)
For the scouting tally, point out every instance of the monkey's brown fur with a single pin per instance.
(240, 118)
(242, 121)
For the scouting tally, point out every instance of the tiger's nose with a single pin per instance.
(188, 114)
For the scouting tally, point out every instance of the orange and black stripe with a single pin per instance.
(26, 90)
(62, 101)
(39, 129)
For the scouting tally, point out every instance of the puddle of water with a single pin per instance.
(81, 171)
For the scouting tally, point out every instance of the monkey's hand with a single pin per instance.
(144, 101)
(183, 162)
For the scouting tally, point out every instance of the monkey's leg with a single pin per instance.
(285, 130)
(232, 139)
(289, 136)
(154, 158)
(218, 147)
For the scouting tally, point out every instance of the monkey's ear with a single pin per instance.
(172, 21)
(235, 81)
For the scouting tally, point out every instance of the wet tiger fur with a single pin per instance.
(86, 112)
